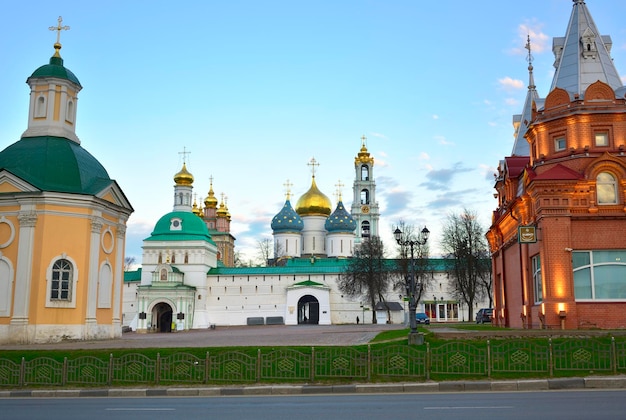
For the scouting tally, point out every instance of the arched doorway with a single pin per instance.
(308, 310)
(162, 313)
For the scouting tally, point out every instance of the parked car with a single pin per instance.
(422, 318)
(484, 315)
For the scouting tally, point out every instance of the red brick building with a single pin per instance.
(558, 235)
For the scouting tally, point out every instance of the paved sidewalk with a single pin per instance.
(262, 335)
(612, 382)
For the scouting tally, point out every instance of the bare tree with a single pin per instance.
(128, 263)
(367, 275)
(265, 251)
(464, 242)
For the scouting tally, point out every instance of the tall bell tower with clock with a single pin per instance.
(364, 205)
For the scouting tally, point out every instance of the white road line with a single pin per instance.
(139, 409)
(487, 407)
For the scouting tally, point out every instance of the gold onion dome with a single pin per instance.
(363, 156)
(183, 177)
(210, 201)
(222, 211)
(313, 202)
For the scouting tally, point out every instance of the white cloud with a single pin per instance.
(508, 83)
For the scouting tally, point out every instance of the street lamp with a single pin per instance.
(423, 238)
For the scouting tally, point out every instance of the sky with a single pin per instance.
(254, 89)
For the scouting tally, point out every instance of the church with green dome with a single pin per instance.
(62, 223)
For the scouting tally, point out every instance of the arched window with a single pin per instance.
(365, 173)
(365, 229)
(365, 197)
(105, 283)
(62, 274)
(69, 112)
(606, 187)
(40, 108)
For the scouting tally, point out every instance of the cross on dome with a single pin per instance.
(313, 164)
(339, 186)
(185, 153)
(288, 186)
(58, 28)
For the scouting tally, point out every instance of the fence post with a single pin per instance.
(22, 379)
(550, 357)
(488, 358)
(613, 355)
(369, 362)
(258, 365)
(110, 373)
(206, 368)
(427, 368)
(312, 363)
(64, 373)
(157, 369)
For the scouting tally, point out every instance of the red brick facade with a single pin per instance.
(572, 190)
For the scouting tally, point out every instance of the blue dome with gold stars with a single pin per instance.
(340, 220)
(287, 220)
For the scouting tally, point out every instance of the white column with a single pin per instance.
(23, 272)
(118, 279)
(93, 273)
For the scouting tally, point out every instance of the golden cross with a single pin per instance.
(184, 153)
(288, 185)
(339, 186)
(363, 138)
(313, 164)
(59, 28)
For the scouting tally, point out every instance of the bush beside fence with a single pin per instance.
(450, 360)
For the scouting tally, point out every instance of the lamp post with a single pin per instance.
(423, 238)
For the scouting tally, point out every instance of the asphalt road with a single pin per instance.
(571, 405)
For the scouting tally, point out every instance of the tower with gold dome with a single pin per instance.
(176, 257)
(314, 208)
(365, 208)
(218, 218)
(62, 224)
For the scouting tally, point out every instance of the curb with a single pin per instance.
(395, 388)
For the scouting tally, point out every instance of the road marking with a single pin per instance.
(487, 407)
(139, 409)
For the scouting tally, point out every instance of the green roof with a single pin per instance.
(192, 228)
(132, 276)
(55, 69)
(55, 164)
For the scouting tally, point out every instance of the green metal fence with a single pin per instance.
(449, 360)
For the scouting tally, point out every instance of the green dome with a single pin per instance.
(55, 164)
(180, 226)
(55, 69)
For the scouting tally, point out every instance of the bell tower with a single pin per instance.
(365, 209)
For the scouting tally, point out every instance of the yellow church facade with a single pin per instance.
(62, 224)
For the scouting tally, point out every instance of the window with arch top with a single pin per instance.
(365, 173)
(606, 187)
(365, 197)
(61, 287)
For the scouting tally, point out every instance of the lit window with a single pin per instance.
(537, 282)
(606, 188)
(602, 139)
(559, 144)
(61, 287)
(599, 275)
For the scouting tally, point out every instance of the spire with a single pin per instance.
(582, 56)
(521, 122)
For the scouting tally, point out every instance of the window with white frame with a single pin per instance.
(606, 187)
(61, 279)
(537, 282)
(61, 285)
(599, 275)
(559, 143)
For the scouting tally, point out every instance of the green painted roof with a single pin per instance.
(55, 164)
(55, 69)
(192, 228)
(132, 276)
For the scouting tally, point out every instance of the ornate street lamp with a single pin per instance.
(423, 238)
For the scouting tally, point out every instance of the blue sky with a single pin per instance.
(255, 89)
